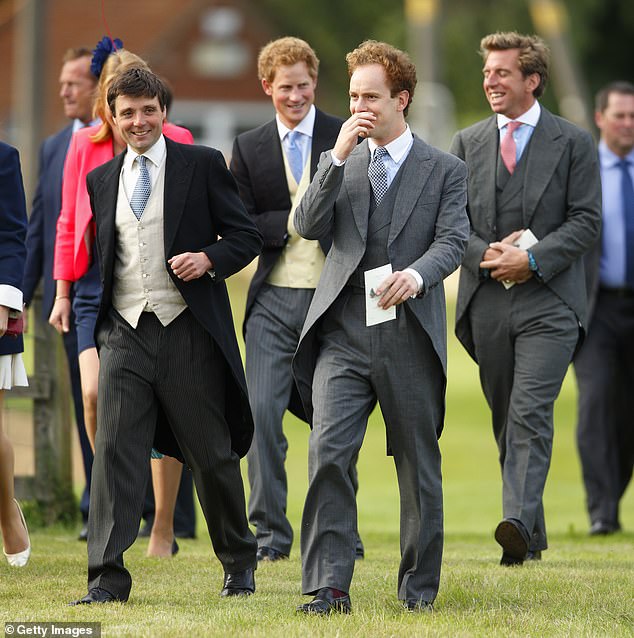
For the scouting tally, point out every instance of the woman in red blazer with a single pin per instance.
(75, 262)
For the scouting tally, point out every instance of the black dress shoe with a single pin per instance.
(513, 537)
(534, 554)
(96, 595)
(269, 554)
(83, 534)
(603, 528)
(418, 605)
(325, 602)
(239, 583)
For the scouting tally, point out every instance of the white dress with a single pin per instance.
(12, 371)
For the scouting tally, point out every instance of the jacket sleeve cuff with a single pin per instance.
(11, 297)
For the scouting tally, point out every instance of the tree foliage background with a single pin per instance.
(601, 33)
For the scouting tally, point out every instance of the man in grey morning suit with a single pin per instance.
(412, 218)
(165, 335)
(270, 184)
(521, 306)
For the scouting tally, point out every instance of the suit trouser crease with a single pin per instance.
(604, 367)
(356, 366)
(523, 356)
(272, 334)
(179, 368)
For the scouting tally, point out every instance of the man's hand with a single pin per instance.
(356, 126)
(25, 318)
(508, 263)
(395, 289)
(60, 315)
(188, 266)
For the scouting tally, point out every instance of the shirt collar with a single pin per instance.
(609, 158)
(78, 124)
(156, 154)
(531, 117)
(305, 126)
(396, 148)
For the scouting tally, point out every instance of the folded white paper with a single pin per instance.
(373, 279)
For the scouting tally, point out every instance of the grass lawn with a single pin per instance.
(583, 586)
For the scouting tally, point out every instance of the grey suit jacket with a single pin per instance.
(561, 205)
(428, 233)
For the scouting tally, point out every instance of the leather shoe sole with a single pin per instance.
(513, 538)
(96, 595)
(239, 584)
(325, 603)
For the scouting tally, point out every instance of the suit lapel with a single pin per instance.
(358, 186)
(105, 195)
(178, 176)
(484, 156)
(416, 171)
(545, 149)
(269, 152)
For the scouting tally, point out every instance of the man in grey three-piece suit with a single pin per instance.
(521, 307)
(391, 201)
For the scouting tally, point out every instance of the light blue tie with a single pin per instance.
(377, 173)
(294, 155)
(142, 189)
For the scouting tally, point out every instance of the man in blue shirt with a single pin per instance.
(605, 364)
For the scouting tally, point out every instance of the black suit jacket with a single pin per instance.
(40, 239)
(258, 166)
(12, 231)
(201, 203)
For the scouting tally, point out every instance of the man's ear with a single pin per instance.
(403, 100)
(267, 88)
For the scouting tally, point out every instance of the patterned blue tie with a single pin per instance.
(377, 174)
(142, 189)
(294, 155)
(627, 193)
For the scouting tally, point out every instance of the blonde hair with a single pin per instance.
(286, 51)
(534, 54)
(117, 62)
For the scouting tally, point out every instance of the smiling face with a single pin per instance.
(139, 120)
(371, 93)
(505, 87)
(292, 91)
(76, 88)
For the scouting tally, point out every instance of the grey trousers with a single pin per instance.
(394, 363)
(272, 333)
(180, 368)
(524, 340)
